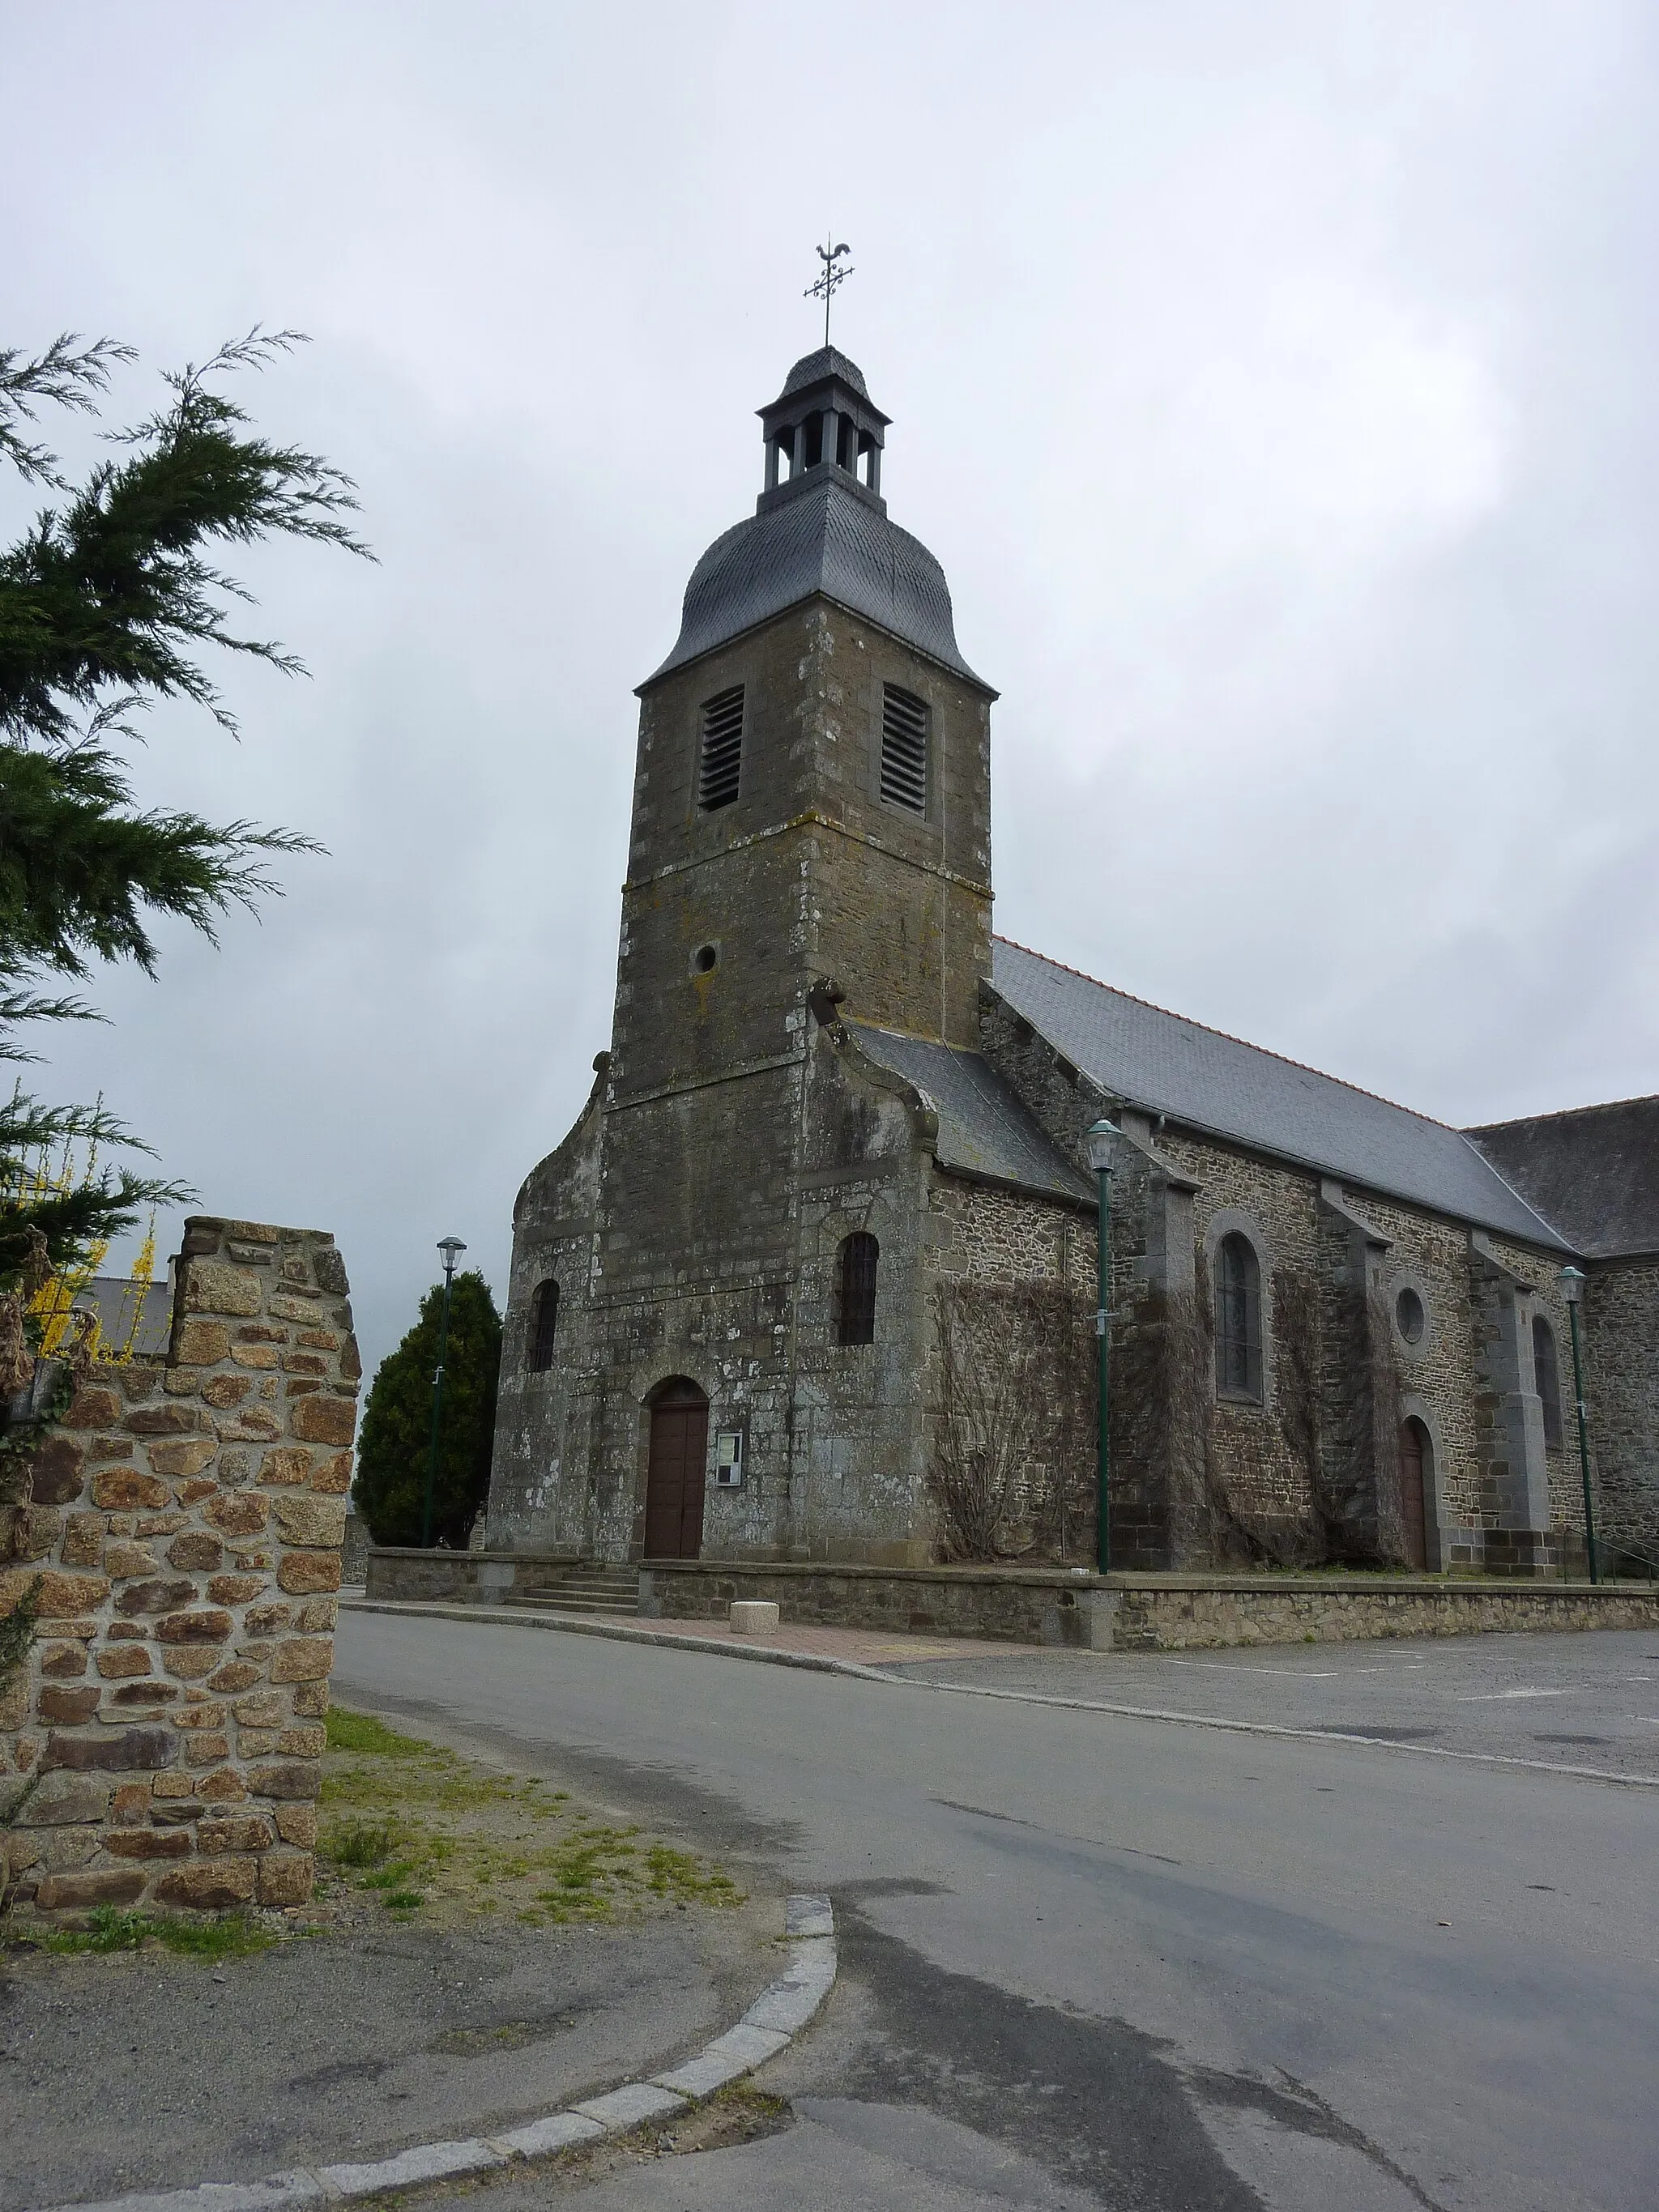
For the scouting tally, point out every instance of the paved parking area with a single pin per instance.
(1585, 1701)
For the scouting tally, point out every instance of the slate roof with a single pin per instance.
(1593, 1172)
(983, 1129)
(813, 368)
(1208, 1081)
(833, 538)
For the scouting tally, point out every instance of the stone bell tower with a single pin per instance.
(811, 831)
(812, 795)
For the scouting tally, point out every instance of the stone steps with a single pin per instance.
(612, 1591)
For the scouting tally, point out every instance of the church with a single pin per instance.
(814, 1275)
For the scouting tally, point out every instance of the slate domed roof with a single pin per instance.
(824, 533)
(828, 539)
(828, 360)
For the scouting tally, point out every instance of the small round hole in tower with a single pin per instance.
(705, 959)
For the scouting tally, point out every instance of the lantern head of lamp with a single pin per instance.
(1102, 1144)
(450, 1250)
(1571, 1280)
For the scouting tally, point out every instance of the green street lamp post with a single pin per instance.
(1572, 1288)
(1101, 1143)
(450, 1250)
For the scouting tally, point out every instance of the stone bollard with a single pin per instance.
(751, 1616)
(162, 1743)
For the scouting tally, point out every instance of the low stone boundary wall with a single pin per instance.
(1013, 1605)
(1179, 1616)
(1045, 1605)
(162, 1743)
(1138, 1612)
(405, 1572)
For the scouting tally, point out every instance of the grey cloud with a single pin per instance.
(1274, 384)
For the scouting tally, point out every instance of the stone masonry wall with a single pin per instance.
(1307, 1235)
(1621, 1388)
(163, 1744)
(984, 1234)
(539, 1491)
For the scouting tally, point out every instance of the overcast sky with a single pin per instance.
(1277, 385)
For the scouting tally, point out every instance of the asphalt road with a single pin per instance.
(1584, 1701)
(1095, 1959)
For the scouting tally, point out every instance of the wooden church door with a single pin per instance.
(673, 1489)
(1412, 1440)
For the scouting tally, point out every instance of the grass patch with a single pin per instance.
(361, 1843)
(416, 1828)
(348, 1731)
(112, 1930)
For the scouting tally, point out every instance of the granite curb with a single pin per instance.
(574, 1623)
(577, 1623)
(769, 2025)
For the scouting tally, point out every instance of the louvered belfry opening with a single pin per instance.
(720, 767)
(856, 1291)
(904, 750)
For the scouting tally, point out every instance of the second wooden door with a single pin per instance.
(674, 1493)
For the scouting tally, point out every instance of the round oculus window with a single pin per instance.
(1409, 1316)
(705, 959)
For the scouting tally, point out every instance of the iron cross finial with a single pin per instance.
(824, 290)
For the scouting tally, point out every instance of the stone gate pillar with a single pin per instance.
(162, 1741)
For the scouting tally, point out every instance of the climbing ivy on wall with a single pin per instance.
(1311, 1478)
(1010, 1466)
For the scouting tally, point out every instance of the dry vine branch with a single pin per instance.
(986, 1407)
(1285, 1436)
(1007, 1468)
(1162, 1445)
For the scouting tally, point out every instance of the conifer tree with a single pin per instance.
(105, 603)
(394, 1442)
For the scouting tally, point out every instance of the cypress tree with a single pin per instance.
(394, 1442)
(106, 602)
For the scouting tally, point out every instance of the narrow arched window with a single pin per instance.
(543, 1326)
(1237, 1318)
(1547, 1379)
(855, 1301)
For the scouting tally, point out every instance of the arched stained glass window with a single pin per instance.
(1237, 1318)
(1548, 1379)
(543, 1326)
(855, 1288)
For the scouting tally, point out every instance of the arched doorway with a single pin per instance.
(673, 1488)
(1415, 1461)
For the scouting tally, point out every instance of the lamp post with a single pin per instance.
(449, 1250)
(1571, 1280)
(1102, 1144)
